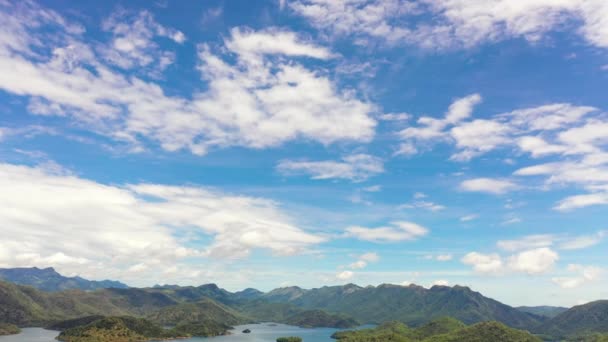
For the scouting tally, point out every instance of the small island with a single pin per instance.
(8, 329)
(246, 331)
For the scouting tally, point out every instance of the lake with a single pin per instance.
(265, 332)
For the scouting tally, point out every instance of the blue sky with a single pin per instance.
(309, 142)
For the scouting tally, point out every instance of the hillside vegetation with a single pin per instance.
(578, 321)
(413, 304)
(117, 329)
(443, 330)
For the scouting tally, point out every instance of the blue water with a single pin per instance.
(265, 332)
(32, 335)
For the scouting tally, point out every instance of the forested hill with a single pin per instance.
(412, 304)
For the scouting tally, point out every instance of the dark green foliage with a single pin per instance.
(580, 320)
(320, 318)
(390, 331)
(203, 310)
(547, 311)
(442, 330)
(72, 323)
(439, 326)
(202, 328)
(47, 279)
(117, 329)
(289, 339)
(8, 329)
(483, 332)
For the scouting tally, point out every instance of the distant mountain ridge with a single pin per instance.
(47, 279)
(414, 305)
(545, 310)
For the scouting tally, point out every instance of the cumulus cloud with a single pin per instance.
(532, 261)
(576, 136)
(456, 23)
(355, 167)
(279, 98)
(112, 228)
(583, 275)
(395, 232)
(535, 261)
(488, 185)
(483, 263)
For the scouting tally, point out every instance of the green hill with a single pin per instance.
(578, 321)
(484, 332)
(203, 310)
(443, 325)
(320, 318)
(442, 330)
(117, 329)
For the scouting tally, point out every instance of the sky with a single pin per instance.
(309, 142)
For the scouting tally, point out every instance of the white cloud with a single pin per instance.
(532, 262)
(440, 283)
(583, 241)
(582, 201)
(355, 167)
(370, 257)
(133, 44)
(488, 185)
(396, 231)
(249, 44)
(456, 23)
(364, 260)
(431, 130)
(527, 242)
(279, 99)
(468, 218)
(439, 257)
(535, 261)
(419, 203)
(563, 241)
(483, 263)
(585, 274)
(345, 275)
(111, 228)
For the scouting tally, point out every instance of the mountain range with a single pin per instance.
(47, 279)
(331, 306)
